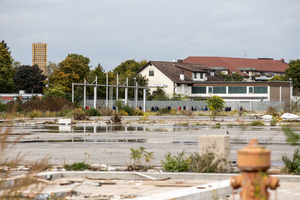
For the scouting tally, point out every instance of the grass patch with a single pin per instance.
(257, 123)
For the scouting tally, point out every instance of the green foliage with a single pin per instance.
(163, 111)
(80, 166)
(292, 166)
(73, 69)
(128, 109)
(206, 163)
(215, 103)
(294, 72)
(136, 155)
(257, 123)
(179, 163)
(29, 78)
(291, 136)
(235, 77)
(34, 114)
(158, 94)
(55, 91)
(7, 72)
(3, 106)
(101, 79)
(93, 112)
(278, 78)
(79, 114)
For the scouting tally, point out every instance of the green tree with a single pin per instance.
(101, 79)
(278, 78)
(55, 91)
(7, 72)
(29, 78)
(74, 69)
(158, 94)
(128, 69)
(215, 104)
(235, 77)
(293, 72)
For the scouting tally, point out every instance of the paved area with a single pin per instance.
(91, 143)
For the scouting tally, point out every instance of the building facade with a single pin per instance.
(260, 69)
(199, 81)
(39, 55)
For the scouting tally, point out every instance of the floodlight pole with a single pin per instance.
(84, 94)
(117, 89)
(72, 92)
(126, 93)
(106, 89)
(144, 100)
(135, 93)
(95, 94)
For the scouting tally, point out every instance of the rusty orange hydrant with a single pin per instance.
(254, 161)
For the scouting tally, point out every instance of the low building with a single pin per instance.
(5, 98)
(260, 69)
(199, 81)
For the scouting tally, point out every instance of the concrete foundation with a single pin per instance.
(217, 144)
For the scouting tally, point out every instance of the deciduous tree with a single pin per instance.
(29, 78)
(294, 72)
(232, 77)
(7, 72)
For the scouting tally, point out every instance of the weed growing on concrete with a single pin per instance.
(292, 166)
(116, 119)
(179, 163)
(80, 166)
(136, 155)
(206, 163)
(291, 136)
(257, 123)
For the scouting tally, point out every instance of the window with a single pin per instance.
(198, 90)
(219, 90)
(261, 89)
(237, 89)
(151, 72)
(201, 75)
(195, 75)
(212, 73)
(210, 89)
(250, 89)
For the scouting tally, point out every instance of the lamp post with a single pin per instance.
(291, 92)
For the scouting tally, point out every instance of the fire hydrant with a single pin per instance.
(254, 161)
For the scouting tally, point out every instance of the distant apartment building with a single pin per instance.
(39, 55)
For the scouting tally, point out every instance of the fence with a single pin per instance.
(247, 105)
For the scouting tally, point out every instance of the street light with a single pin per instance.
(291, 91)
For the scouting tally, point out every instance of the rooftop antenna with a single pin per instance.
(245, 54)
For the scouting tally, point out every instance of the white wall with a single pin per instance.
(159, 78)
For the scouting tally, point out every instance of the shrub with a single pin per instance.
(3, 106)
(63, 113)
(79, 114)
(128, 109)
(80, 166)
(93, 112)
(106, 112)
(116, 118)
(123, 113)
(173, 111)
(291, 136)
(163, 111)
(35, 113)
(257, 123)
(138, 112)
(206, 163)
(137, 154)
(179, 163)
(292, 166)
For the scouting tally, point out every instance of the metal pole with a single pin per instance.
(84, 94)
(135, 101)
(95, 95)
(126, 93)
(117, 89)
(72, 92)
(144, 106)
(106, 89)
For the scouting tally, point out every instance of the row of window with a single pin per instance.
(231, 90)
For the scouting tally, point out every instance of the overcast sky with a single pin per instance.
(112, 31)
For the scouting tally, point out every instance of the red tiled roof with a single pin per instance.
(261, 65)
